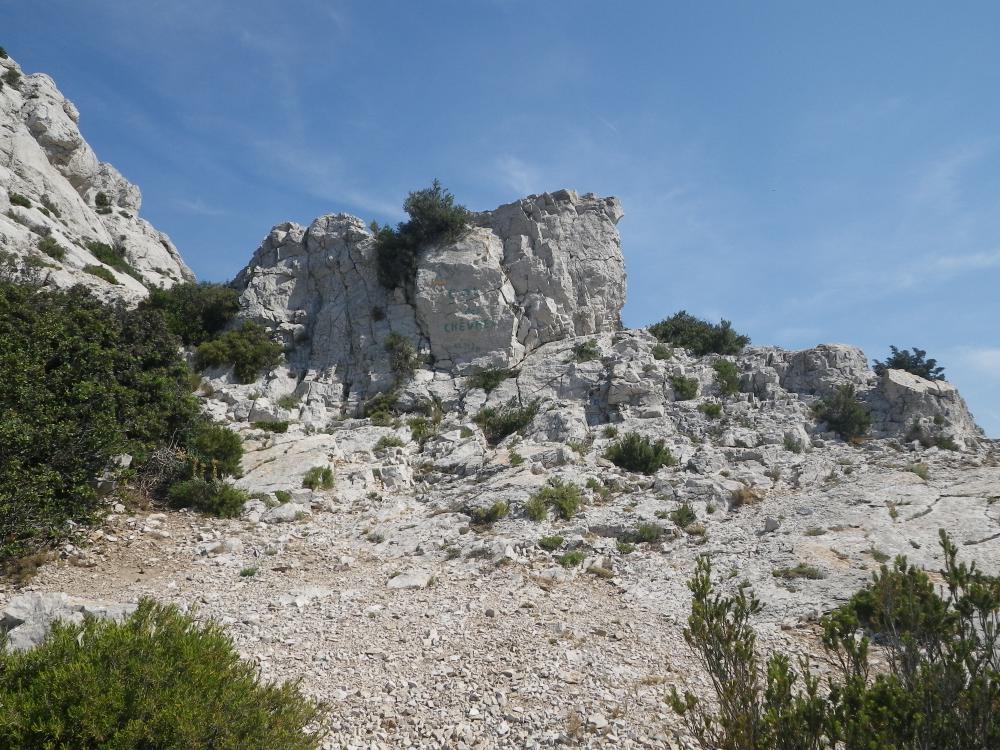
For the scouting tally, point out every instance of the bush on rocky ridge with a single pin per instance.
(434, 217)
(913, 362)
(941, 689)
(157, 681)
(498, 423)
(211, 497)
(699, 336)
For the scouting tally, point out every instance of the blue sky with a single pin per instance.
(813, 172)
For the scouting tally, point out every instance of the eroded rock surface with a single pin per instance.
(46, 162)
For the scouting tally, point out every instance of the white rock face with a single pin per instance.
(27, 618)
(45, 160)
(543, 269)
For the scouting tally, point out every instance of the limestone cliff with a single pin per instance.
(55, 191)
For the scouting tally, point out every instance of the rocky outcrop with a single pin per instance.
(51, 183)
(27, 618)
(540, 270)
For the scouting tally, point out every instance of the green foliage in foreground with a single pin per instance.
(434, 217)
(940, 690)
(114, 257)
(844, 414)
(157, 681)
(195, 312)
(727, 377)
(248, 349)
(699, 336)
(82, 382)
(638, 453)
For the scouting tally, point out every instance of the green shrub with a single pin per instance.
(699, 336)
(683, 516)
(844, 414)
(114, 257)
(586, 351)
(490, 379)
(157, 681)
(928, 439)
(913, 362)
(213, 498)
(276, 426)
(101, 200)
(624, 547)
(489, 515)
(799, 570)
(52, 248)
(645, 533)
(610, 431)
(381, 408)
(939, 690)
(283, 496)
(638, 453)
(550, 543)
(214, 451)
(196, 312)
(51, 207)
(922, 470)
(403, 358)
(727, 377)
(498, 423)
(12, 78)
(249, 349)
(318, 477)
(685, 388)
(434, 218)
(571, 559)
(3, 54)
(421, 429)
(388, 441)
(16, 199)
(793, 445)
(662, 351)
(83, 382)
(563, 497)
(288, 401)
(516, 459)
(102, 273)
(711, 409)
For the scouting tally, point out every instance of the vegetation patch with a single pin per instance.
(685, 388)
(662, 352)
(800, 570)
(586, 351)
(52, 248)
(388, 441)
(213, 498)
(912, 668)
(564, 498)
(914, 362)
(550, 543)
(434, 218)
(498, 423)
(158, 681)
(699, 336)
(114, 257)
(318, 478)
(490, 379)
(844, 413)
(639, 454)
(683, 516)
(102, 273)
(571, 559)
(403, 359)
(195, 312)
(711, 409)
(727, 377)
(249, 349)
(278, 426)
(489, 515)
(83, 382)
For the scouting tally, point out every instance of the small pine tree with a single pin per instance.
(913, 362)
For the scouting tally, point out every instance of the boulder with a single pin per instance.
(27, 618)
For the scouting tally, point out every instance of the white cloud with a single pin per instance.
(198, 207)
(518, 175)
(983, 360)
